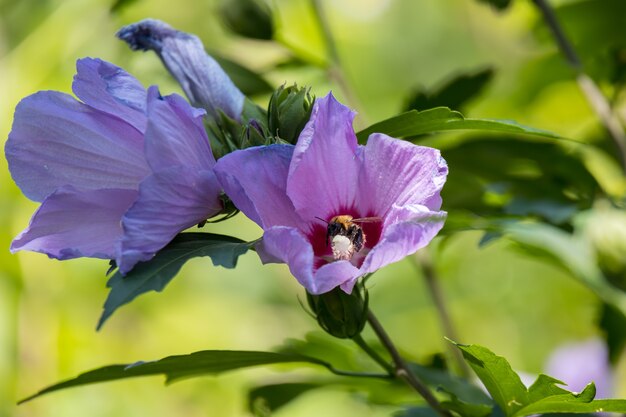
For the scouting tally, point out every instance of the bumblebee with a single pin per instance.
(345, 236)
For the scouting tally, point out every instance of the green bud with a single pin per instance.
(288, 112)
(252, 135)
(249, 18)
(254, 131)
(228, 135)
(339, 314)
(224, 134)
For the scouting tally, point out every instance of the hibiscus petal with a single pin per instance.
(290, 245)
(56, 141)
(169, 202)
(401, 173)
(407, 229)
(109, 88)
(175, 134)
(335, 274)
(324, 171)
(74, 223)
(203, 80)
(255, 179)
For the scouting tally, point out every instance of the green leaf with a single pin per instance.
(459, 387)
(573, 403)
(570, 252)
(467, 409)
(594, 28)
(504, 385)
(498, 4)
(463, 409)
(155, 274)
(417, 412)
(248, 18)
(556, 212)
(520, 176)
(454, 93)
(249, 82)
(264, 400)
(321, 344)
(439, 119)
(544, 392)
(544, 396)
(118, 5)
(465, 398)
(569, 415)
(545, 386)
(174, 368)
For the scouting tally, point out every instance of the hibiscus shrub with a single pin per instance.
(122, 173)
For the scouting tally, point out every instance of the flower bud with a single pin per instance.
(228, 135)
(340, 314)
(253, 134)
(249, 18)
(202, 79)
(288, 112)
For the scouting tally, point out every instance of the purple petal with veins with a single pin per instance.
(118, 174)
(110, 89)
(73, 223)
(56, 140)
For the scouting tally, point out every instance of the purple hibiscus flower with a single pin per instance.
(118, 174)
(295, 193)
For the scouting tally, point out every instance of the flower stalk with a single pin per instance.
(358, 339)
(590, 89)
(401, 369)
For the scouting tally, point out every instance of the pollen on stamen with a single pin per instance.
(342, 248)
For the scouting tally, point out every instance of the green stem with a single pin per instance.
(402, 369)
(373, 354)
(423, 263)
(590, 89)
(358, 374)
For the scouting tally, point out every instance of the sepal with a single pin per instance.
(340, 314)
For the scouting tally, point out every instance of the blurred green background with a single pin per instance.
(520, 306)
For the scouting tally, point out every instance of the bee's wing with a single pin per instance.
(367, 220)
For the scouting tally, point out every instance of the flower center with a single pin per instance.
(343, 237)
